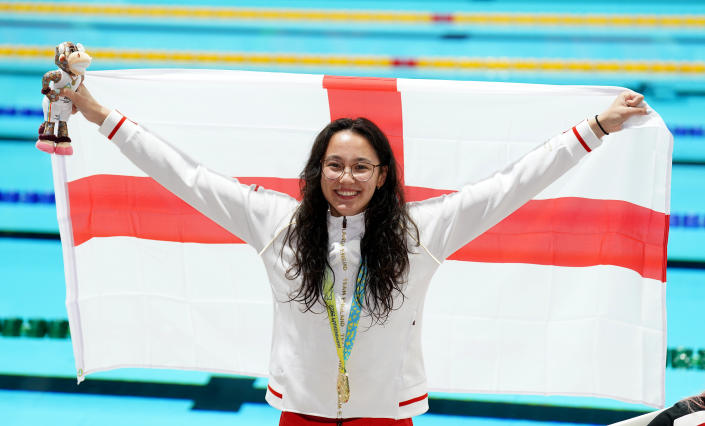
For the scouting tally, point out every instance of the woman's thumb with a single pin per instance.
(68, 93)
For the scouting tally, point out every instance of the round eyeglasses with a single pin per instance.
(335, 169)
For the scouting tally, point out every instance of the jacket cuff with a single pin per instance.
(585, 136)
(117, 127)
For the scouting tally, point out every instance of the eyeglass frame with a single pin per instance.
(345, 168)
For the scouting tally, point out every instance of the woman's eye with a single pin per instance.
(334, 166)
(362, 167)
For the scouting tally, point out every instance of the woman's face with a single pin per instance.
(346, 195)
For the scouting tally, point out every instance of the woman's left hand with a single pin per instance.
(627, 104)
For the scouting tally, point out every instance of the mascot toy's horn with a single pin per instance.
(72, 60)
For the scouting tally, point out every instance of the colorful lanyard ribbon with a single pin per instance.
(344, 347)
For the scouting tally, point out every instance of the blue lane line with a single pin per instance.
(27, 197)
(695, 131)
(687, 220)
(677, 220)
(11, 111)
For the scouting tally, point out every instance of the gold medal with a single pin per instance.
(343, 387)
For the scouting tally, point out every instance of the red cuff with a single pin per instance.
(580, 139)
(117, 126)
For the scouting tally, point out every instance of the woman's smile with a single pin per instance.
(346, 194)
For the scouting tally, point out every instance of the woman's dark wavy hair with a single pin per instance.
(387, 222)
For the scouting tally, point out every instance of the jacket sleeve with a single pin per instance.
(448, 222)
(252, 215)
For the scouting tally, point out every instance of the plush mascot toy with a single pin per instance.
(72, 61)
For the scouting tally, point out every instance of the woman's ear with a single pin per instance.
(382, 176)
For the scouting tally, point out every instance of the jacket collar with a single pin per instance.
(354, 225)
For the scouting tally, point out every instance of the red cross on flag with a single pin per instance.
(564, 296)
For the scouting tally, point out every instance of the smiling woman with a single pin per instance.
(372, 186)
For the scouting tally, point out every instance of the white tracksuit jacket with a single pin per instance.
(386, 369)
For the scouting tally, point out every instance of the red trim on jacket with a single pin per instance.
(412, 400)
(275, 393)
(117, 126)
(401, 404)
(580, 139)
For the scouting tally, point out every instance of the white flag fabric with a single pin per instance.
(564, 296)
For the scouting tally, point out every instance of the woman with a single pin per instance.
(350, 264)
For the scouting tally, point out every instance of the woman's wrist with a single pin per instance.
(102, 115)
(592, 121)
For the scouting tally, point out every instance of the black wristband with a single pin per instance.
(45, 91)
(600, 125)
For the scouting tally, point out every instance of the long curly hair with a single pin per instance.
(387, 222)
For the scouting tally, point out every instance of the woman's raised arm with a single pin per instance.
(449, 222)
(251, 214)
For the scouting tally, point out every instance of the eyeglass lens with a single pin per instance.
(360, 171)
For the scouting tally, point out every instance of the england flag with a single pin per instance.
(564, 296)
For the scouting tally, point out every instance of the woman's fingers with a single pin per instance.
(636, 111)
(87, 105)
(636, 100)
(633, 102)
(68, 93)
(73, 96)
(83, 91)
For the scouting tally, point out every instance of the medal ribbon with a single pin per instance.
(344, 347)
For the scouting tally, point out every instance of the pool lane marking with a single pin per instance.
(326, 15)
(369, 61)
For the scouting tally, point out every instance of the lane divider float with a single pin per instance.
(368, 61)
(377, 16)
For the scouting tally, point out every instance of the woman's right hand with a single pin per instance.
(87, 105)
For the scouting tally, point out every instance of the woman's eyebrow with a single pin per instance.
(357, 160)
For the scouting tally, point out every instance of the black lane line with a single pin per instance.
(219, 394)
(688, 162)
(546, 413)
(18, 138)
(30, 235)
(229, 393)
(686, 264)
(673, 263)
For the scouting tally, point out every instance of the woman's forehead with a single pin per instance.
(350, 146)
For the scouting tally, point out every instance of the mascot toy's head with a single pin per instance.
(72, 58)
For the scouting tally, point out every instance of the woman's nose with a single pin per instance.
(347, 174)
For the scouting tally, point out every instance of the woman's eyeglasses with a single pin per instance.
(334, 170)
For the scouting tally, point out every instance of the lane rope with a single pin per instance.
(327, 15)
(313, 60)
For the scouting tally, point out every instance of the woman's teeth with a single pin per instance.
(347, 193)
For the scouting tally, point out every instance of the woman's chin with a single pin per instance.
(345, 210)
